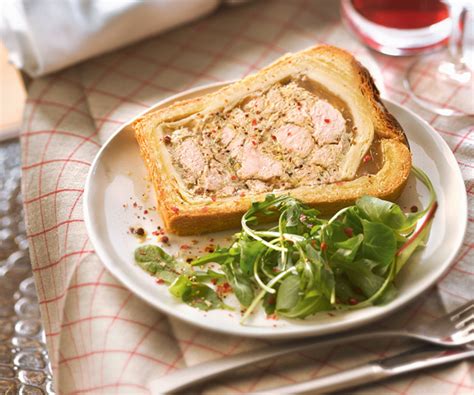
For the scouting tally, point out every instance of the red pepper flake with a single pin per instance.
(324, 246)
(272, 317)
(367, 158)
(194, 241)
(353, 301)
(205, 209)
(140, 232)
(348, 231)
(254, 142)
(210, 248)
(167, 139)
(175, 209)
(289, 134)
(327, 120)
(414, 209)
(185, 247)
(145, 212)
(242, 194)
(135, 204)
(155, 233)
(213, 131)
(254, 122)
(213, 198)
(164, 239)
(273, 137)
(160, 281)
(214, 281)
(233, 178)
(223, 289)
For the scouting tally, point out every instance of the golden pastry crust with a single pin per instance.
(342, 74)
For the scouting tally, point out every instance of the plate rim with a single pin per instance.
(268, 332)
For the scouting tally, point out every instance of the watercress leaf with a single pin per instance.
(153, 253)
(202, 297)
(310, 218)
(288, 293)
(196, 294)
(250, 250)
(387, 295)
(167, 276)
(379, 242)
(208, 275)
(150, 267)
(313, 254)
(334, 233)
(311, 303)
(361, 276)
(347, 250)
(243, 290)
(240, 283)
(292, 214)
(179, 286)
(352, 243)
(344, 289)
(327, 282)
(269, 302)
(382, 211)
(218, 256)
(352, 221)
(160, 264)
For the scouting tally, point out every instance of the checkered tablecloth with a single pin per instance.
(101, 337)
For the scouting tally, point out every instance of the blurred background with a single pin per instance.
(12, 96)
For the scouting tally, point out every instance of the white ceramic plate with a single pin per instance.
(118, 178)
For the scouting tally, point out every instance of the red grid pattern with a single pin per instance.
(101, 338)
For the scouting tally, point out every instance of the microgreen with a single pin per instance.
(301, 264)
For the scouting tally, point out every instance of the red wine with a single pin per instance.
(402, 14)
(398, 27)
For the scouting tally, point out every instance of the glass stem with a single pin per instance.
(457, 14)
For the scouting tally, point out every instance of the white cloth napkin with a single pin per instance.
(43, 36)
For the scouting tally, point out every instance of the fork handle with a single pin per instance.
(193, 375)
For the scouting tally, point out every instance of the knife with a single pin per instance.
(409, 361)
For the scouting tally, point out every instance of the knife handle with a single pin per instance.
(347, 378)
(418, 358)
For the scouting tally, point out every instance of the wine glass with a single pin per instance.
(447, 74)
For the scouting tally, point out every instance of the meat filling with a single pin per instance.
(281, 138)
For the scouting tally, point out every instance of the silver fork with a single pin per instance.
(453, 329)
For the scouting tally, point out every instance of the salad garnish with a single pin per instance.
(301, 264)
